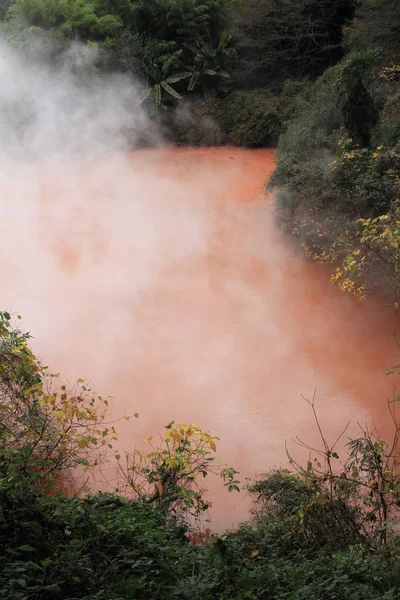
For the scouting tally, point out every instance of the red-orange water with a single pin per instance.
(162, 278)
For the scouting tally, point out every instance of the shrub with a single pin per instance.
(46, 430)
(193, 123)
(250, 118)
(172, 473)
(100, 547)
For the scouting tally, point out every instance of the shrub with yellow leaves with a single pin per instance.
(46, 430)
(365, 253)
(173, 472)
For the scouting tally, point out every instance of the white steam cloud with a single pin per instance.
(64, 107)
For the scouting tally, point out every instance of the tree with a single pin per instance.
(280, 39)
(376, 25)
(207, 66)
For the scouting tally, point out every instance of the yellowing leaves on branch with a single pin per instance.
(364, 253)
(172, 474)
(46, 430)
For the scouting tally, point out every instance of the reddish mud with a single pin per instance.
(161, 277)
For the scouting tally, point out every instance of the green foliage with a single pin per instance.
(250, 118)
(388, 131)
(338, 160)
(173, 472)
(282, 39)
(96, 547)
(173, 47)
(194, 123)
(376, 26)
(357, 106)
(256, 118)
(46, 430)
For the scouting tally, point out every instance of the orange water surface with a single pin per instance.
(162, 278)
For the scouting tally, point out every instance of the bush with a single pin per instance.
(250, 118)
(193, 123)
(97, 547)
(388, 131)
(256, 118)
(46, 430)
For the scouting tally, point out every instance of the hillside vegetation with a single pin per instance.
(338, 171)
(190, 54)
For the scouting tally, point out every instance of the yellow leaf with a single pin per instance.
(213, 446)
(160, 487)
(254, 553)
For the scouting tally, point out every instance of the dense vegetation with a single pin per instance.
(190, 54)
(339, 159)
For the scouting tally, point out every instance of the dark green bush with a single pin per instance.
(250, 118)
(193, 123)
(256, 118)
(101, 546)
(388, 131)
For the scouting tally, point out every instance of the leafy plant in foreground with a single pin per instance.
(46, 429)
(171, 474)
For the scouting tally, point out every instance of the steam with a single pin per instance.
(152, 274)
(64, 107)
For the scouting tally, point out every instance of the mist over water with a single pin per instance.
(160, 276)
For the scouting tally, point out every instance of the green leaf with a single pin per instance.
(223, 40)
(171, 90)
(157, 94)
(210, 72)
(178, 77)
(26, 548)
(190, 47)
(52, 588)
(193, 81)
